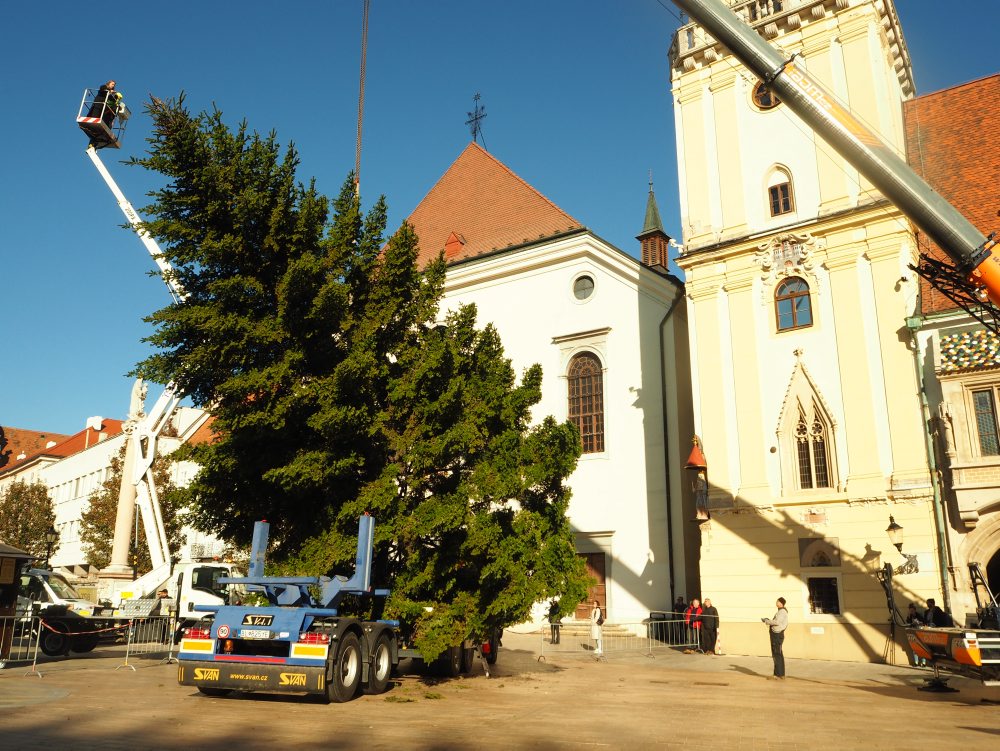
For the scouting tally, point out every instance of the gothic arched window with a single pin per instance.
(793, 308)
(586, 400)
(812, 441)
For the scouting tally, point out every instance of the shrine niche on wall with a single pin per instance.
(819, 552)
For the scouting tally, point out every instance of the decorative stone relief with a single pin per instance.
(789, 254)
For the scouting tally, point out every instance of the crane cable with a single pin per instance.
(361, 100)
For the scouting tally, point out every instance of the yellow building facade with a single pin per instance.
(806, 394)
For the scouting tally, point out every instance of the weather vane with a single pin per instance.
(475, 121)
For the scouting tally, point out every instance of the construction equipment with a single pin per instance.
(972, 280)
(973, 652)
(300, 642)
(189, 583)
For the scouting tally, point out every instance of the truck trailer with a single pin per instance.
(303, 644)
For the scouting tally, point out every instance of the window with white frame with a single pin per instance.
(586, 400)
(984, 405)
(819, 559)
(779, 192)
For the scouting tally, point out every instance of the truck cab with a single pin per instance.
(52, 593)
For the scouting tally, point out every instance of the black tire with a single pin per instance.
(468, 659)
(381, 666)
(449, 664)
(491, 656)
(214, 691)
(84, 642)
(53, 640)
(343, 675)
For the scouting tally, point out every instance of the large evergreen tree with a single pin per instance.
(339, 389)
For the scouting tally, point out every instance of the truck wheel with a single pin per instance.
(468, 659)
(381, 667)
(491, 656)
(84, 643)
(449, 663)
(214, 691)
(53, 640)
(343, 684)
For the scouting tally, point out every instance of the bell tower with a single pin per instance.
(796, 275)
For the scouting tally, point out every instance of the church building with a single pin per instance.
(610, 333)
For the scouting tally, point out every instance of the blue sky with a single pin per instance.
(576, 95)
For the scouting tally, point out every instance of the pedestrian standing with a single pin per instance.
(555, 621)
(596, 628)
(709, 627)
(677, 621)
(692, 617)
(776, 629)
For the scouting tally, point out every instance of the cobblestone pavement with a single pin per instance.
(671, 700)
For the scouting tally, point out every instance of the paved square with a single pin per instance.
(628, 701)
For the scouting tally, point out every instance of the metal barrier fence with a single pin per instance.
(644, 638)
(150, 637)
(19, 641)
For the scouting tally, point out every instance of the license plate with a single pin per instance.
(255, 633)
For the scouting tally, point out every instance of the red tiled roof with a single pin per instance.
(480, 205)
(69, 444)
(27, 442)
(951, 142)
(205, 433)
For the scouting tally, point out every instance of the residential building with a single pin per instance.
(951, 143)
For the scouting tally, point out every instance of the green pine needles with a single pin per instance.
(339, 388)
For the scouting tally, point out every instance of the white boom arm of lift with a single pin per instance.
(145, 434)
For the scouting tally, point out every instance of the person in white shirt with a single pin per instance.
(596, 623)
(776, 627)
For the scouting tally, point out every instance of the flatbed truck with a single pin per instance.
(303, 644)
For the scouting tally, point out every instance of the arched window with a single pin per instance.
(779, 193)
(811, 444)
(586, 400)
(792, 306)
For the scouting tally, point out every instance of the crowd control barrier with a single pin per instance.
(150, 637)
(19, 642)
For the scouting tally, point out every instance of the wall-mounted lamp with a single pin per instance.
(895, 532)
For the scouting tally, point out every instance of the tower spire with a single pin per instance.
(655, 242)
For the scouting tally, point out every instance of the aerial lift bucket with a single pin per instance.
(101, 120)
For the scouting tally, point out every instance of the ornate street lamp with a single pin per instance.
(895, 532)
(50, 539)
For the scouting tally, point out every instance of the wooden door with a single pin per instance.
(595, 568)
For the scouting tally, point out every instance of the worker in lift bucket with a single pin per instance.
(106, 103)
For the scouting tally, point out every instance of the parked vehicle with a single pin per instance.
(300, 643)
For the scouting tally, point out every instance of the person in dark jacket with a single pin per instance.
(555, 621)
(709, 627)
(935, 616)
(105, 104)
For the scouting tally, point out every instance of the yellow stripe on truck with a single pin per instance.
(196, 645)
(309, 650)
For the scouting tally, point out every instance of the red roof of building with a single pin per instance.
(27, 442)
(68, 445)
(951, 142)
(479, 205)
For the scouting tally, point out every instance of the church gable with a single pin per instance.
(479, 205)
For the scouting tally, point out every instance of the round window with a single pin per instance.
(763, 98)
(583, 287)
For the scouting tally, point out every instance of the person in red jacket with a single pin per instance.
(692, 617)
